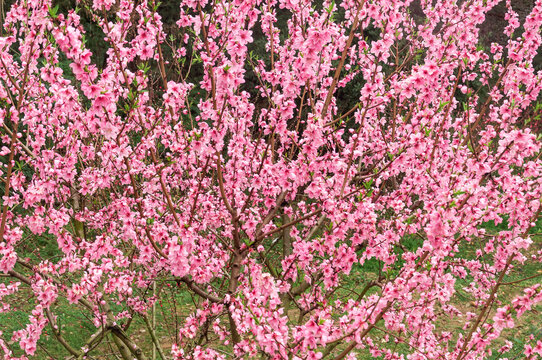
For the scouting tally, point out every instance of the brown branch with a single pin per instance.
(12, 142)
(353, 344)
(134, 349)
(58, 334)
(343, 59)
(153, 337)
(192, 286)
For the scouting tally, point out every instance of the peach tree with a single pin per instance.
(294, 179)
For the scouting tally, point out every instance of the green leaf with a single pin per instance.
(331, 6)
(442, 105)
(53, 11)
(144, 67)
(459, 192)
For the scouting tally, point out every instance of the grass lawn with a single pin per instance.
(76, 325)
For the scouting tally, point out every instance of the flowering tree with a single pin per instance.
(304, 223)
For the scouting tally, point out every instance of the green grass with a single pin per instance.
(77, 326)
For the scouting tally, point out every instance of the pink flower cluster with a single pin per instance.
(319, 180)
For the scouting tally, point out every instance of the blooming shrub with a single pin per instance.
(300, 229)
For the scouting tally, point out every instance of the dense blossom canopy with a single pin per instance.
(319, 176)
